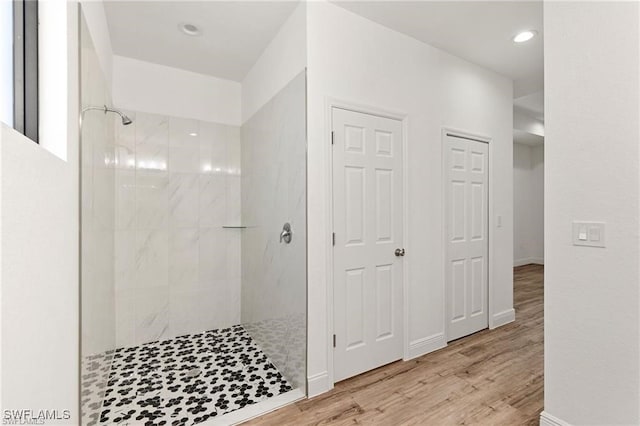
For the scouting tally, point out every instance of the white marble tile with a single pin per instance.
(212, 201)
(152, 258)
(125, 318)
(233, 211)
(125, 158)
(213, 148)
(152, 200)
(184, 159)
(212, 255)
(233, 237)
(203, 308)
(233, 151)
(124, 261)
(86, 202)
(184, 133)
(182, 318)
(183, 257)
(88, 134)
(223, 296)
(151, 129)
(152, 314)
(184, 197)
(125, 143)
(125, 199)
(103, 196)
(152, 158)
(170, 239)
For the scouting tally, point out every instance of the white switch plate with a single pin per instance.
(590, 234)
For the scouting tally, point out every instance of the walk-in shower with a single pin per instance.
(193, 249)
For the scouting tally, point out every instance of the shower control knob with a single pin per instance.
(286, 233)
(399, 252)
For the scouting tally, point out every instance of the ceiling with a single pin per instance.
(235, 33)
(148, 30)
(478, 31)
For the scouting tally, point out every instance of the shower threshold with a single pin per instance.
(198, 378)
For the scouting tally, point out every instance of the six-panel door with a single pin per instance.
(367, 206)
(466, 226)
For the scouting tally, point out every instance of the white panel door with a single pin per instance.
(367, 213)
(466, 220)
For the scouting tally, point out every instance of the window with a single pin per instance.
(19, 73)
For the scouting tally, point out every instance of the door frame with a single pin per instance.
(330, 104)
(490, 214)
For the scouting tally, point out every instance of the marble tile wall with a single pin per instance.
(177, 271)
(274, 192)
(97, 206)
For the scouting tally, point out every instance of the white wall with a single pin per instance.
(158, 89)
(283, 59)
(528, 204)
(96, 19)
(39, 239)
(592, 161)
(356, 60)
(526, 123)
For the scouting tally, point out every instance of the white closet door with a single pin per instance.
(466, 217)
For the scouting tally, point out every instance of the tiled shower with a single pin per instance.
(192, 307)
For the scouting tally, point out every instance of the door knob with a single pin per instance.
(399, 252)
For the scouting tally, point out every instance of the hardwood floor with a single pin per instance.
(494, 377)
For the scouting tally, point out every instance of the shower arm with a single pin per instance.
(102, 108)
(125, 120)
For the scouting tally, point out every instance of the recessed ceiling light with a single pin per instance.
(524, 36)
(190, 29)
(193, 134)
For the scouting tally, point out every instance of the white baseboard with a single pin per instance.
(425, 345)
(318, 383)
(547, 419)
(528, 261)
(503, 318)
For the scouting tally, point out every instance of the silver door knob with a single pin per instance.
(399, 252)
(286, 233)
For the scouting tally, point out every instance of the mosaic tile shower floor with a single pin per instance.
(182, 381)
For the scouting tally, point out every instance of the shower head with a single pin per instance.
(125, 120)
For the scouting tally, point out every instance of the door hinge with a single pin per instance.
(334, 340)
(333, 239)
(332, 133)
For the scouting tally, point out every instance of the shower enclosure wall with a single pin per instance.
(192, 305)
(177, 269)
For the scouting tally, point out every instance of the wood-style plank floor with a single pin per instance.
(494, 377)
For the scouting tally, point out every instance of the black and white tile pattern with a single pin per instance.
(184, 381)
(95, 375)
(283, 340)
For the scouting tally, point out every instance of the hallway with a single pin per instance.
(491, 377)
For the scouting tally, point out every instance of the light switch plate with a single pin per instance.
(590, 234)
